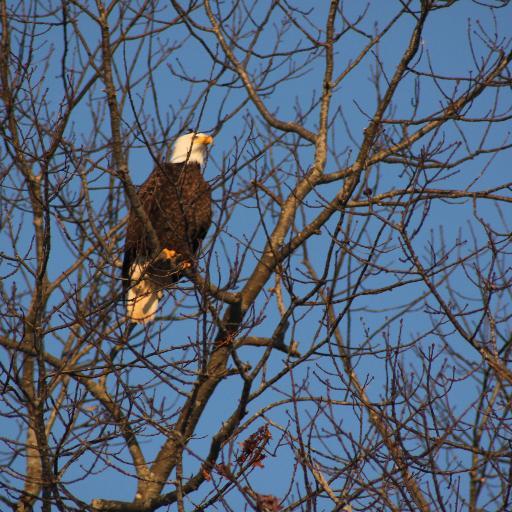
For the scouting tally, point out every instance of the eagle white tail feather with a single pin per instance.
(143, 297)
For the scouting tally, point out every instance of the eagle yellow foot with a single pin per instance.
(168, 253)
(186, 265)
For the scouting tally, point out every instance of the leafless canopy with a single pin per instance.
(344, 341)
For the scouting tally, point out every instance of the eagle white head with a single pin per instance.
(191, 147)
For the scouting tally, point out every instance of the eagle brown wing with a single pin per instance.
(177, 201)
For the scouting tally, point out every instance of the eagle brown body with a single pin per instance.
(177, 201)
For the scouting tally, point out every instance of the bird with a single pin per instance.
(177, 201)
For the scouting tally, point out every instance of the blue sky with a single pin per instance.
(444, 45)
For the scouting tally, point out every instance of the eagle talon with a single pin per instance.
(186, 265)
(168, 253)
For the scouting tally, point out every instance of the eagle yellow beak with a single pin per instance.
(205, 139)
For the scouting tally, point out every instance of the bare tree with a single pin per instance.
(344, 340)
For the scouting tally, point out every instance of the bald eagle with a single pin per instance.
(177, 201)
